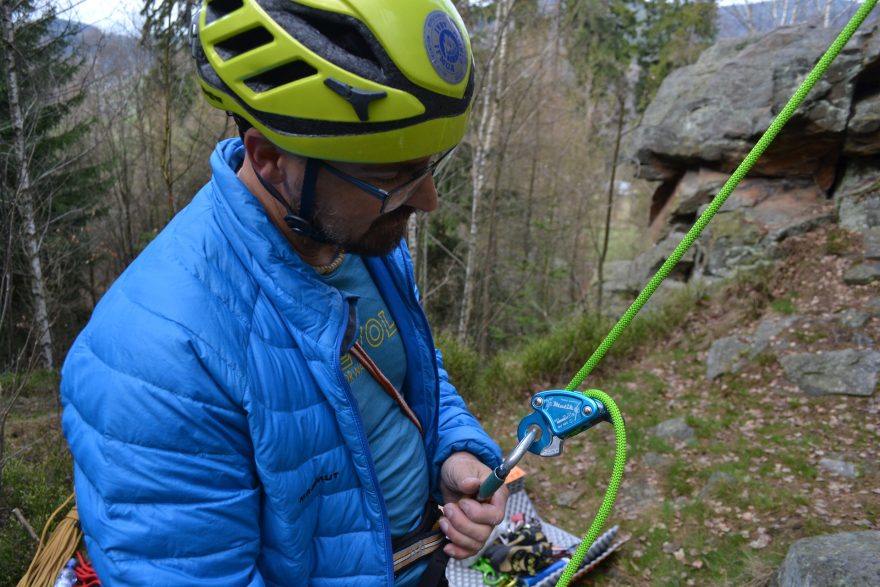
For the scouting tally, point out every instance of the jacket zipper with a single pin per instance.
(386, 523)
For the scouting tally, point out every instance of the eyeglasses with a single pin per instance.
(396, 197)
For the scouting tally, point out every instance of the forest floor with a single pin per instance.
(722, 507)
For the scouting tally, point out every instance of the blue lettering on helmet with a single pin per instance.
(446, 47)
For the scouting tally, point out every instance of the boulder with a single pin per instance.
(768, 331)
(839, 467)
(655, 460)
(846, 372)
(637, 496)
(622, 277)
(690, 195)
(862, 273)
(835, 560)
(853, 318)
(707, 116)
(675, 430)
(725, 356)
(859, 212)
(717, 478)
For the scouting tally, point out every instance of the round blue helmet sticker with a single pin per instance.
(446, 48)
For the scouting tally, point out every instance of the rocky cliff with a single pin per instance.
(824, 166)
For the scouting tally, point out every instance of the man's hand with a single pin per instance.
(466, 522)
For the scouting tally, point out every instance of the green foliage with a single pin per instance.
(37, 382)
(673, 35)
(36, 487)
(461, 362)
(550, 360)
(604, 42)
(839, 241)
(64, 183)
(656, 36)
(784, 306)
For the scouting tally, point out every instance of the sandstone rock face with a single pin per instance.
(872, 243)
(836, 560)
(863, 131)
(706, 118)
(713, 111)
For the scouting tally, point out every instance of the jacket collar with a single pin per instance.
(315, 310)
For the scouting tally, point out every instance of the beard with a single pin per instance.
(381, 237)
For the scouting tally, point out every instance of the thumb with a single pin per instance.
(469, 485)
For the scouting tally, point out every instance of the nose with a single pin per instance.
(424, 196)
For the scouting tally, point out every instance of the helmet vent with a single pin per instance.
(281, 75)
(344, 36)
(244, 42)
(220, 8)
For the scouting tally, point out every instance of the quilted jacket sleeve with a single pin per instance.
(164, 474)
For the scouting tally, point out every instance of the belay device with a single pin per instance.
(560, 414)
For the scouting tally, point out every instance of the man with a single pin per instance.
(257, 400)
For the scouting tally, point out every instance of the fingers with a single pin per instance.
(468, 524)
(461, 475)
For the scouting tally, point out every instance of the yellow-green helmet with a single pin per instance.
(366, 81)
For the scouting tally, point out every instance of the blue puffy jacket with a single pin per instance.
(215, 439)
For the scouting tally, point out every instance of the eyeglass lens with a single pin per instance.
(398, 196)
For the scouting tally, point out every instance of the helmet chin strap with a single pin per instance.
(301, 223)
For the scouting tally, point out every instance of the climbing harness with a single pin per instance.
(560, 414)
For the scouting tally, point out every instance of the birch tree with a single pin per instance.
(48, 184)
(23, 196)
(489, 98)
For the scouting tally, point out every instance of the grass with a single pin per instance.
(784, 306)
(556, 356)
(840, 241)
(36, 485)
(36, 468)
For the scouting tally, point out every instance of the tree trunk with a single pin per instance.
(796, 12)
(609, 203)
(167, 134)
(751, 18)
(479, 171)
(422, 275)
(24, 196)
(412, 241)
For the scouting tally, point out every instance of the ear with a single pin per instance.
(263, 156)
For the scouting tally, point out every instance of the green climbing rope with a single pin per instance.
(610, 493)
(617, 420)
